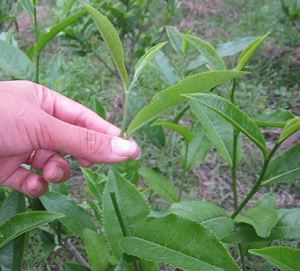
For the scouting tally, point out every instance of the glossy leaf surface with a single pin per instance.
(172, 96)
(179, 242)
(76, 218)
(15, 63)
(159, 184)
(285, 167)
(285, 258)
(234, 115)
(112, 40)
(24, 222)
(210, 215)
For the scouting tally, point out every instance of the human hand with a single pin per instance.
(36, 123)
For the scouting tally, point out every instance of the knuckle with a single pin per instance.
(92, 143)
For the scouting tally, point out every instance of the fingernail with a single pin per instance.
(57, 175)
(122, 147)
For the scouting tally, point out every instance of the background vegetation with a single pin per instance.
(74, 64)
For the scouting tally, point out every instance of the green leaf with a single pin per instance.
(76, 267)
(234, 115)
(172, 96)
(55, 69)
(24, 222)
(182, 130)
(15, 63)
(11, 255)
(247, 54)
(285, 167)
(27, 6)
(263, 219)
(45, 38)
(224, 50)
(185, 43)
(133, 207)
(197, 148)
(76, 218)
(292, 127)
(179, 242)
(97, 107)
(95, 183)
(159, 184)
(173, 36)
(112, 40)
(206, 213)
(129, 170)
(166, 70)
(277, 118)
(285, 258)
(144, 60)
(97, 250)
(154, 133)
(209, 52)
(218, 131)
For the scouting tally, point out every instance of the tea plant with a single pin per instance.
(190, 235)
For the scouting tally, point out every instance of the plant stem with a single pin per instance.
(256, 187)
(234, 169)
(183, 176)
(36, 30)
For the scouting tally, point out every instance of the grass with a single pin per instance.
(273, 83)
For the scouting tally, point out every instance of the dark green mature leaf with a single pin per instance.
(248, 53)
(24, 222)
(133, 207)
(277, 118)
(159, 184)
(209, 52)
(285, 258)
(76, 218)
(234, 115)
(263, 219)
(292, 127)
(44, 39)
(206, 213)
(11, 255)
(197, 148)
(112, 40)
(182, 130)
(15, 63)
(179, 242)
(285, 167)
(218, 131)
(97, 250)
(172, 96)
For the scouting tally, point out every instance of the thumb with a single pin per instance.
(86, 144)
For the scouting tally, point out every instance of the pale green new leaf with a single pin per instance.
(285, 258)
(182, 130)
(173, 36)
(234, 115)
(171, 97)
(263, 219)
(24, 222)
(112, 40)
(76, 218)
(209, 52)
(97, 250)
(97, 107)
(133, 207)
(277, 118)
(15, 63)
(285, 167)
(218, 131)
(206, 213)
(181, 243)
(292, 127)
(144, 60)
(159, 184)
(247, 54)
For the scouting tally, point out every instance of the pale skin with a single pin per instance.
(34, 118)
